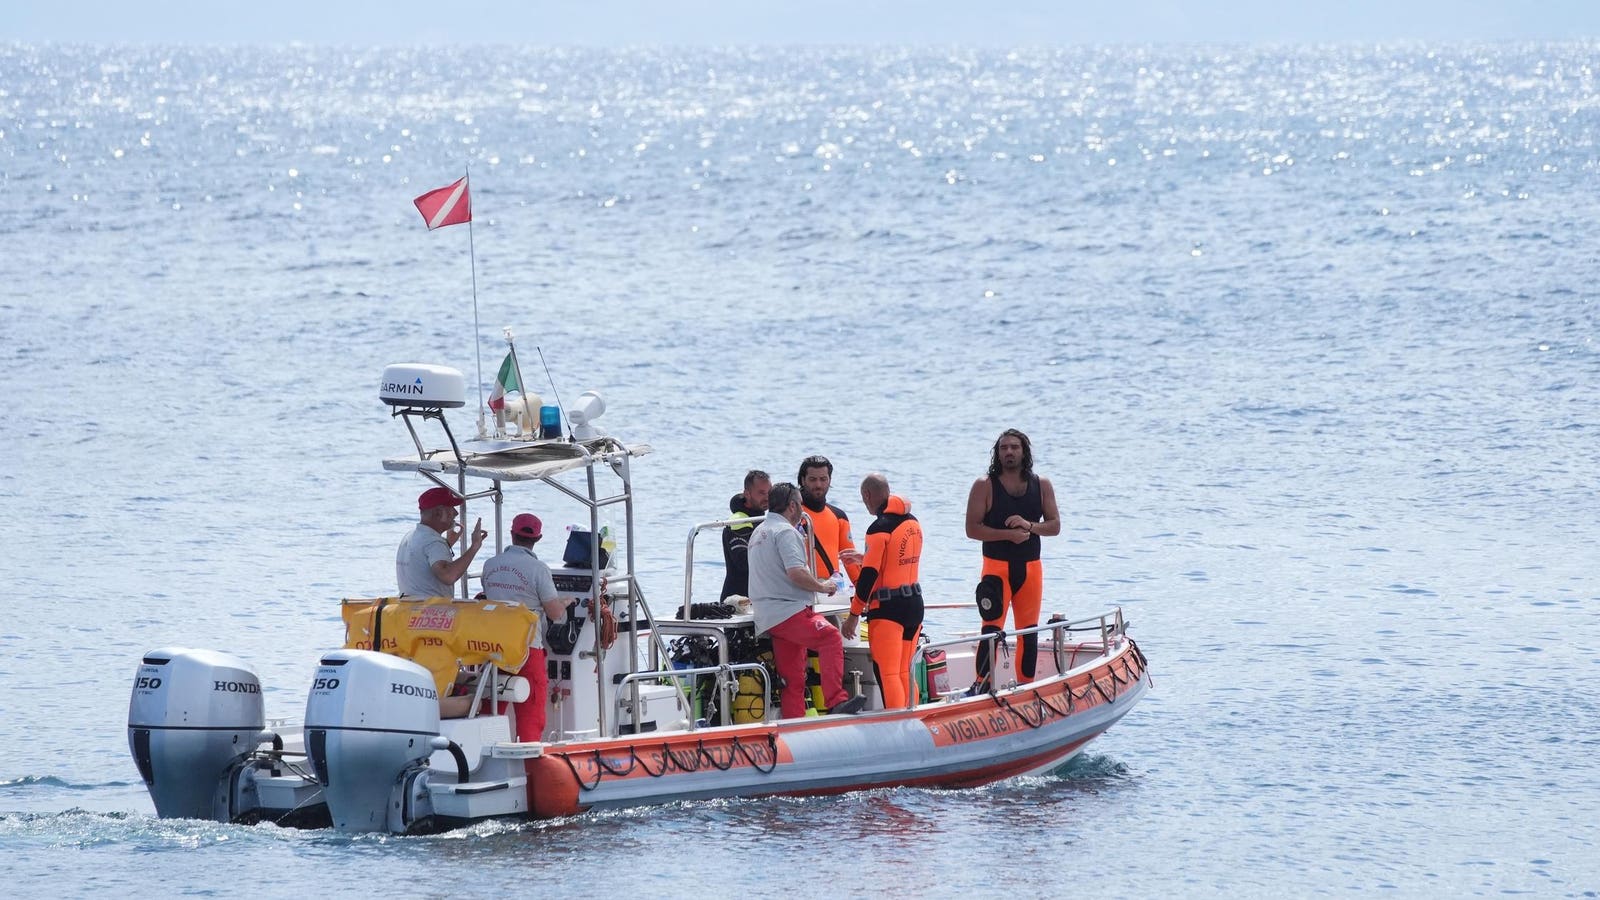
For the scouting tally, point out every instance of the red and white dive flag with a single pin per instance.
(449, 205)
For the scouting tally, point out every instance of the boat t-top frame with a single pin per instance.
(499, 461)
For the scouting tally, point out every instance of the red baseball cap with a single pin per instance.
(527, 525)
(437, 497)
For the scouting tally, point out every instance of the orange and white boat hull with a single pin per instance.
(1025, 730)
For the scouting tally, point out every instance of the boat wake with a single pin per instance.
(50, 781)
(1090, 767)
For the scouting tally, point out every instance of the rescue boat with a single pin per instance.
(634, 718)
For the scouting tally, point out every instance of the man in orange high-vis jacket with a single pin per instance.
(1008, 510)
(831, 546)
(887, 590)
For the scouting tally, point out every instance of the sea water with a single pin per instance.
(1304, 339)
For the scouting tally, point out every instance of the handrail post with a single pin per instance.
(725, 690)
(688, 555)
(658, 646)
(1109, 624)
(688, 572)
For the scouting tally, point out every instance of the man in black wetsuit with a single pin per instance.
(1008, 510)
(736, 538)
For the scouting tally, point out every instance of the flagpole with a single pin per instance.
(477, 333)
(522, 386)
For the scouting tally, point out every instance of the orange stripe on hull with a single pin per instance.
(963, 724)
(558, 781)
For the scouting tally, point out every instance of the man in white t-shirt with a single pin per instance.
(517, 576)
(782, 589)
(423, 566)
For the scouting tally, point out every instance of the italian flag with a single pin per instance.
(506, 381)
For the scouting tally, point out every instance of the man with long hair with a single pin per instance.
(1009, 510)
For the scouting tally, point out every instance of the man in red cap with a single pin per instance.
(423, 566)
(517, 576)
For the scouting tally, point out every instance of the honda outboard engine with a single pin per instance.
(371, 721)
(194, 717)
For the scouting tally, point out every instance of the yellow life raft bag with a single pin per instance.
(441, 634)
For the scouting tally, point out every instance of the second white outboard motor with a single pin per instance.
(194, 716)
(370, 718)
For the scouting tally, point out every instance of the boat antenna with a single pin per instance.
(553, 389)
(453, 210)
(477, 333)
(516, 366)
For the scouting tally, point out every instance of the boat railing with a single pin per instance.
(638, 607)
(727, 682)
(1108, 624)
(714, 629)
(489, 688)
(688, 553)
(686, 623)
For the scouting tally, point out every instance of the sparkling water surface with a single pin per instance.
(1305, 338)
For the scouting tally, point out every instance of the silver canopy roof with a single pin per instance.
(519, 460)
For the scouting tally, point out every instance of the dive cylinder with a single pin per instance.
(370, 718)
(194, 715)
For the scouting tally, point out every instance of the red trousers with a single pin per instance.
(805, 630)
(530, 714)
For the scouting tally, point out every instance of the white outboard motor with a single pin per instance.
(371, 719)
(194, 717)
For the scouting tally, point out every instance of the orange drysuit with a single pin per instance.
(830, 533)
(888, 592)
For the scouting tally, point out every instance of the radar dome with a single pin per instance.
(419, 384)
